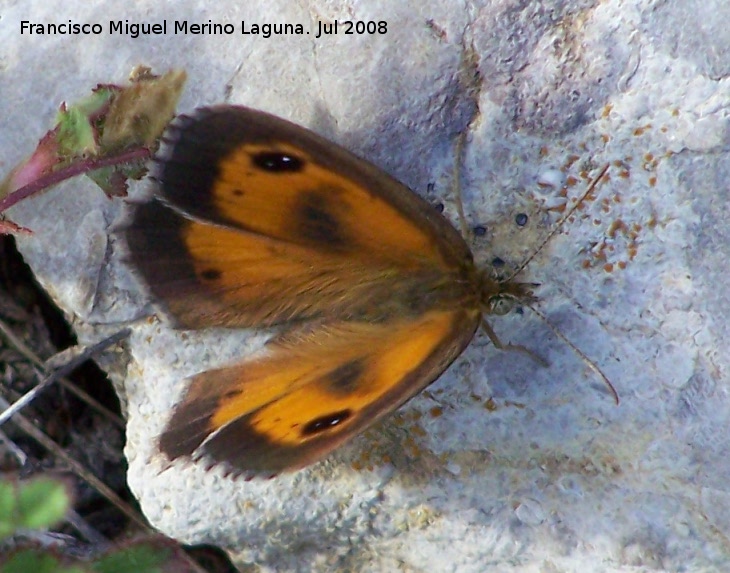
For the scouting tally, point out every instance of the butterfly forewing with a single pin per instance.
(262, 246)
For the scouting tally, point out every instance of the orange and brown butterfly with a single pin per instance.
(258, 222)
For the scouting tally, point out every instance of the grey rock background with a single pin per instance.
(500, 465)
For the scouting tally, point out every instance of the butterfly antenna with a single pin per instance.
(592, 365)
(458, 152)
(559, 224)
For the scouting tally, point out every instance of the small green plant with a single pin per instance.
(29, 509)
(36, 504)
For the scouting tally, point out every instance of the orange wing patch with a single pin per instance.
(299, 201)
(208, 275)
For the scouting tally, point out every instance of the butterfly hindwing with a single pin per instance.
(306, 396)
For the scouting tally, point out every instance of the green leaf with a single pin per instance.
(76, 135)
(34, 561)
(134, 559)
(41, 503)
(8, 508)
(140, 112)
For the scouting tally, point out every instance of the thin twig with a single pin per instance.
(25, 425)
(66, 369)
(32, 357)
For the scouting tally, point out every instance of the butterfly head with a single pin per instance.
(500, 296)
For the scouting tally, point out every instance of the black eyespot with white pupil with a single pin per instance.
(324, 423)
(278, 162)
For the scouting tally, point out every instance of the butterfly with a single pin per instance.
(371, 293)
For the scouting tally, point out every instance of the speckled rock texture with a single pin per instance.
(501, 465)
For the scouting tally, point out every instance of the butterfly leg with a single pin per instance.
(511, 347)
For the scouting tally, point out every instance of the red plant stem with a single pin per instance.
(72, 170)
